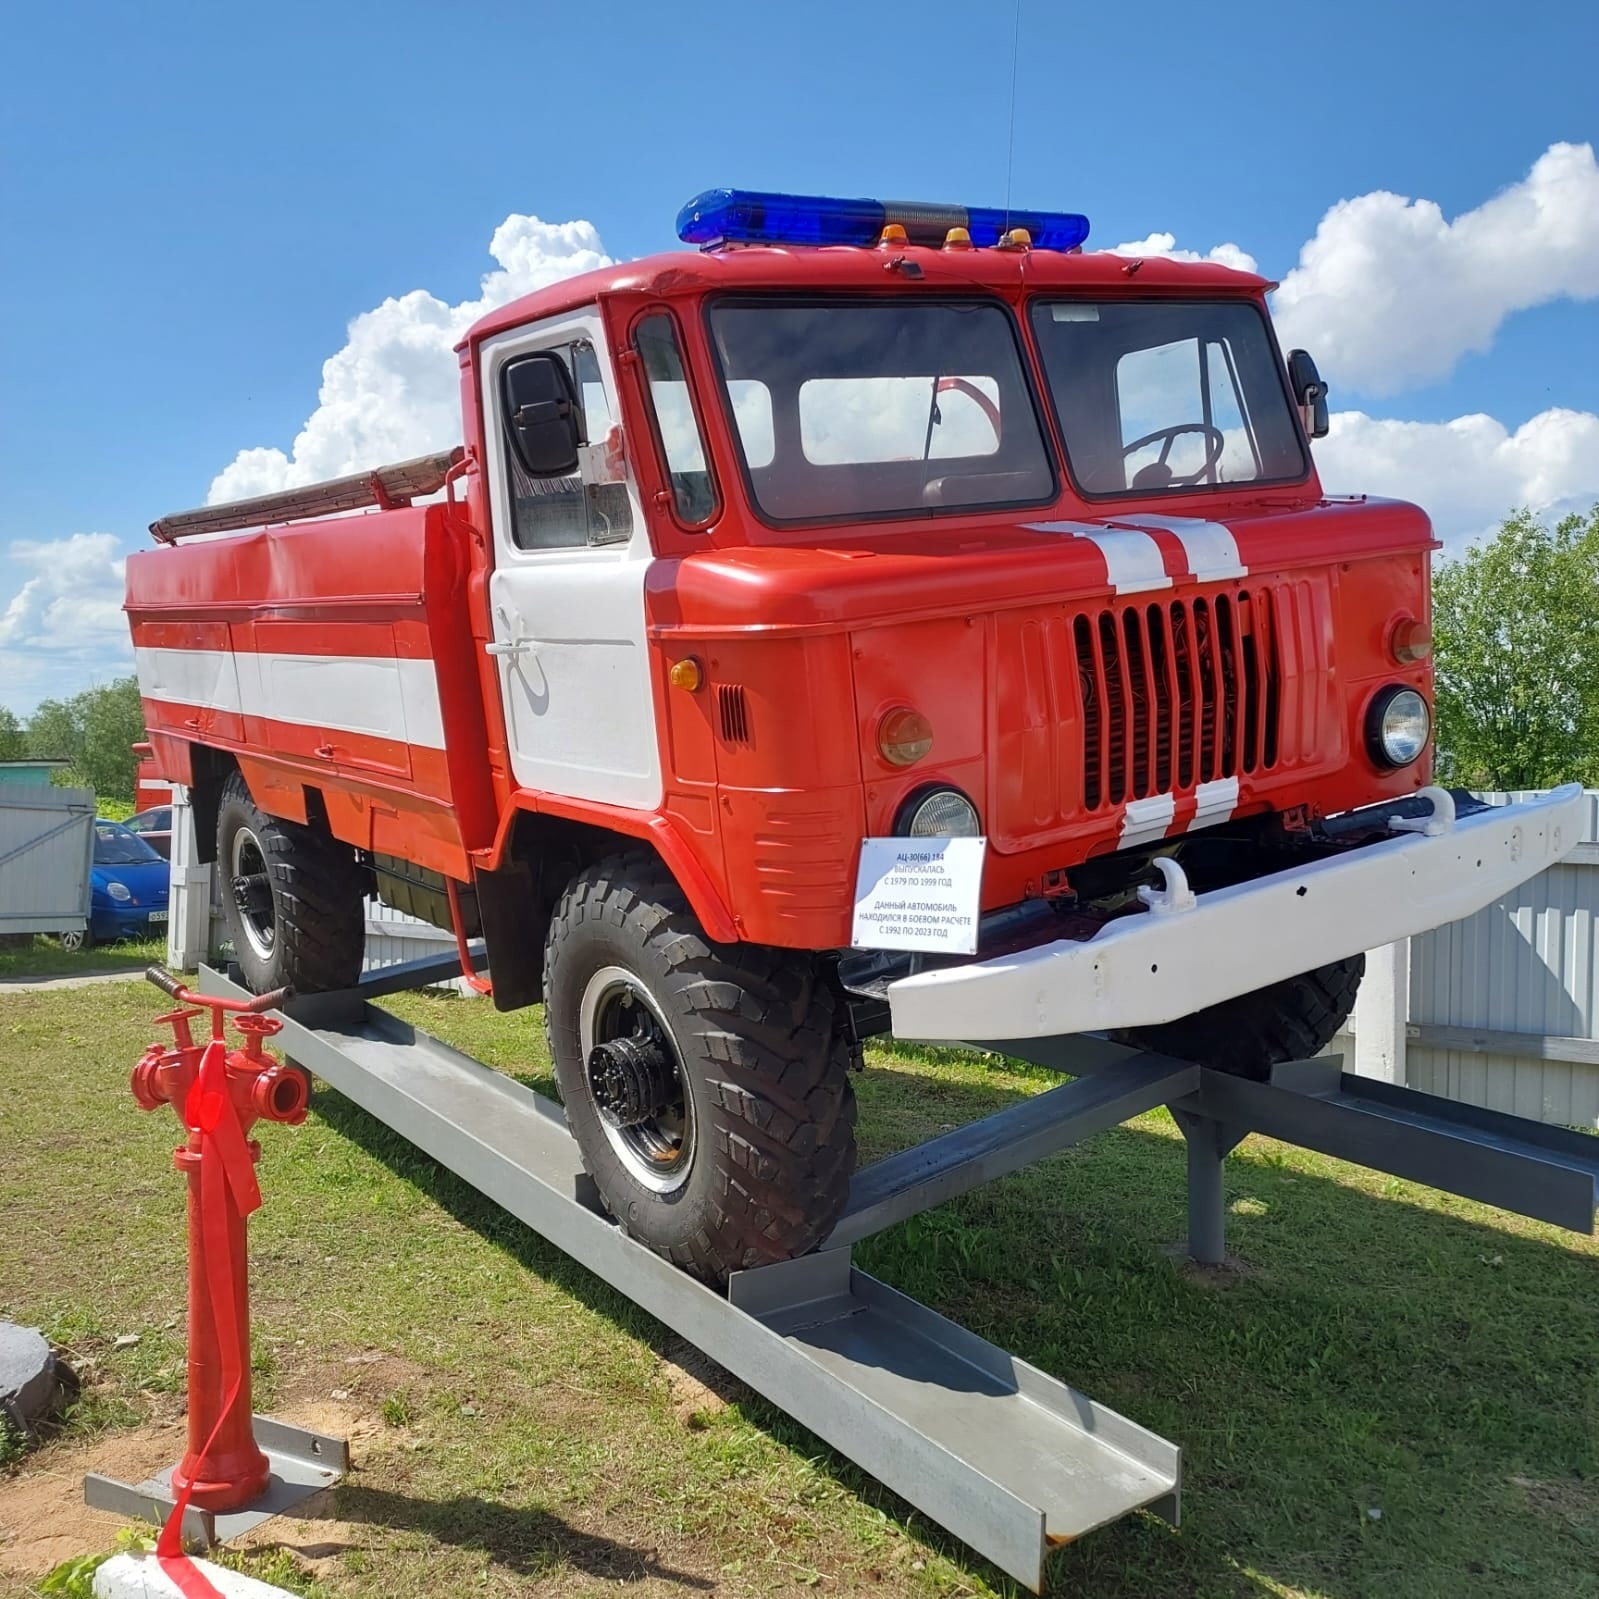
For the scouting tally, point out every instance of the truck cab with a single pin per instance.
(860, 523)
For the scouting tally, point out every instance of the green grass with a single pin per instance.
(1378, 1348)
(45, 958)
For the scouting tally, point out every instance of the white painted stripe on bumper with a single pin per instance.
(1142, 970)
(1216, 802)
(1147, 819)
(380, 696)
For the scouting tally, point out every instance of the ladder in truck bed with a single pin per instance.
(1008, 1458)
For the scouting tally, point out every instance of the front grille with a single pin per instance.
(1176, 694)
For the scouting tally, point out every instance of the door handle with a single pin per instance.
(516, 646)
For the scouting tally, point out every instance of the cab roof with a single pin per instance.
(844, 268)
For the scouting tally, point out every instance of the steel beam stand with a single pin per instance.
(1008, 1458)
(303, 1463)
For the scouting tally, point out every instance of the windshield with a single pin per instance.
(1157, 397)
(114, 845)
(845, 410)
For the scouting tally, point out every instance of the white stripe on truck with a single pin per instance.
(380, 696)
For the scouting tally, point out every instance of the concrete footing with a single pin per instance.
(141, 1577)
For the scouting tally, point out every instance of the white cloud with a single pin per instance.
(1469, 474)
(1165, 244)
(64, 626)
(393, 391)
(1389, 293)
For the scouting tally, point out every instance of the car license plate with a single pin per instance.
(158, 916)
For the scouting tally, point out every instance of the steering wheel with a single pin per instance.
(973, 393)
(1215, 443)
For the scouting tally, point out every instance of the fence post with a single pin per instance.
(189, 907)
(1382, 1012)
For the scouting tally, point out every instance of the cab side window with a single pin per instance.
(676, 426)
(564, 512)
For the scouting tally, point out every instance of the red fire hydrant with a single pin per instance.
(219, 1094)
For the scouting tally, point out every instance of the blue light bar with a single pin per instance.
(748, 216)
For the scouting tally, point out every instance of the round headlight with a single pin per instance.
(1398, 727)
(938, 813)
(117, 890)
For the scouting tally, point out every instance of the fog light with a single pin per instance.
(1398, 727)
(938, 813)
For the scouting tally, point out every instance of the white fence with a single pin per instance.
(194, 931)
(1501, 1009)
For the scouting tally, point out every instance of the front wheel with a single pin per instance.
(707, 1085)
(76, 941)
(1251, 1033)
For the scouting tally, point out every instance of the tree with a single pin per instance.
(12, 741)
(94, 732)
(1516, 643)
(55, 732)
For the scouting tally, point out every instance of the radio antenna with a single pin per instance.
(1010, 145)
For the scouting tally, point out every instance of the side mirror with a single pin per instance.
(542, 414)
(1310, 393)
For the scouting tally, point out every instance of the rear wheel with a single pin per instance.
(707, 1085)
(292, 898)
(1248, 1035)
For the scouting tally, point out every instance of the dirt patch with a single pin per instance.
(43, 1519)
(697, 1386)
(1570, 1499)
(1234, 1269)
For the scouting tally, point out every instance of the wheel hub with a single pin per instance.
(252, 894)
(633, 1080)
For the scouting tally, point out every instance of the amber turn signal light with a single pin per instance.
(685, 674)
(1411, 641)
(904, 736)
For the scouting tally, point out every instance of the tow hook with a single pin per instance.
(1174, 896)
(1441, 820)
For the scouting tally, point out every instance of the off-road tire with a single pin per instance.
(1247, 1036)
(758, 1048)
(317, 888)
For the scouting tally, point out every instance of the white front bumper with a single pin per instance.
(1148, 968)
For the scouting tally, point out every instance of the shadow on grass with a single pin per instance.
(1362, 1355)
(528, 1542)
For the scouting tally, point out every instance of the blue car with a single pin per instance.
(130, 883)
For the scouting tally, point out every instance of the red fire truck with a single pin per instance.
(863, 522)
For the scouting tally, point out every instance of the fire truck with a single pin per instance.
(862, 522)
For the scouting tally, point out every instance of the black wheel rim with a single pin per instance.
(658, 1147)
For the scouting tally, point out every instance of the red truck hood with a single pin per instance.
(857, 577)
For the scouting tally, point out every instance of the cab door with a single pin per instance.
(566, 596)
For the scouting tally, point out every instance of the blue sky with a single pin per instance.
(199, 199)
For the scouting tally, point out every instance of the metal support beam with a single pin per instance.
(1549, 1173)
(1209, 1144)
(919, 1178)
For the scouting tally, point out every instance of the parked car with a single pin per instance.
(155, 828)
(129, 888)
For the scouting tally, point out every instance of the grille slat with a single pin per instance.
(1176, 694)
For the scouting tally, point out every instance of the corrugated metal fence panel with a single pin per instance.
(393, 937)
(46, 847)
(1527, 964)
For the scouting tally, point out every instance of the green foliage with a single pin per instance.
(95, 732)
(13, 742)
(1516, 629)
(74, 1579)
